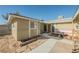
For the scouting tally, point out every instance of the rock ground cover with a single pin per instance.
(10, 45)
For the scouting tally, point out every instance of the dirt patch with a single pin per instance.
(61, 47)
(9, 45)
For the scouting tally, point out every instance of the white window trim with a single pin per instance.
(35, 26)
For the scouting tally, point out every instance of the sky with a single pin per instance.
(44, 12)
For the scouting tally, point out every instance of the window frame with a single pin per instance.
(34, 25)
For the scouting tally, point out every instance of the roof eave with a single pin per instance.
(76, 13)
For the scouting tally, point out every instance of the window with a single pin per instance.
(32, 25)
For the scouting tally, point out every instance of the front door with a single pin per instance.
(49, 27)
(45, 28)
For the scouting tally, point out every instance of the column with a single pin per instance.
(51, 27)
(37, 27)
(29, 29)
(47, 27)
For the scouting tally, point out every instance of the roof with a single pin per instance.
(32, 19)
(60, 21)
(23, 17)
(76, 13)
(49, 21)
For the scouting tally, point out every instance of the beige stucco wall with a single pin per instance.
(64, 26)
(41, 27)
(75, 21)
(33, 31)
(21, 30)
(14, 29)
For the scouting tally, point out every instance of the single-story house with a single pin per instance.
(26, 27)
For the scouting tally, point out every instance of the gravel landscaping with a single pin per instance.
(10, 45)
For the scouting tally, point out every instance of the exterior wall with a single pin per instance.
(75, 28)
(41, 27)
(49, 28)
(34, 31)
(75, 22)
(64, 26)
(22, 29)
(46, 27)
(14, 29)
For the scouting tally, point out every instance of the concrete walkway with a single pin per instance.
(49, 44)
(67, 41)
(45, 47)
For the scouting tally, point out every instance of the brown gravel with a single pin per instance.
(10, 45)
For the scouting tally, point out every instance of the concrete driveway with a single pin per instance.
(53, 45)
(45, 47)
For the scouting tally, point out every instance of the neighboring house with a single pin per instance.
(26, 27)
(4, 29)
